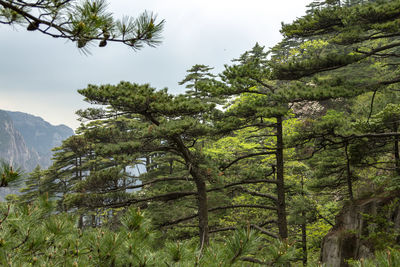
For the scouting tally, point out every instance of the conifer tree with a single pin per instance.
(259, 104)
(160, 123)
(355, 33)
(329, 151)
(33, 186)
(196, 75)
(67, 168)
(341, 50)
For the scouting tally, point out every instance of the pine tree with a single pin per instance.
(257, 102)
(67, 168)
(355, 33)
(161, 123)
(340, 51)
(33, 186)
(196, 75)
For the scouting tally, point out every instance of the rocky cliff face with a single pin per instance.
(360, 229)
(27, 140)
(12, 145)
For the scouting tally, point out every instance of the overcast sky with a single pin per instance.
(40, 75)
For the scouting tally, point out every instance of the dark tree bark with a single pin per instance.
(80, 221)
(304, 239)
(281, 205)
(203, 212)
(199, 179)
(304, 228)
(396, 149)
(348, 173)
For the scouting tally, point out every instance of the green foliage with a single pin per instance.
(58, 242)
(384, 258)
(33, 186)
(9, 174)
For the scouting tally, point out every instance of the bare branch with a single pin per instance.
(222, 168)
(215, 209)
(223, 229)
(262, 230)
(253, 193)
(6, 214)
(253, 260)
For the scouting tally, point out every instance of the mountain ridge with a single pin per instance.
(26, 140)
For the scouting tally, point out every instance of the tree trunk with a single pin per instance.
(80, 221)
(171, 166)
(304, 227)
(94, 223)
(203, 212)
(304, 238)
(80, 167)
(148, 161)
(76, 169)
(199, 179)
(281, 205)
(396, 150)
(348, 173)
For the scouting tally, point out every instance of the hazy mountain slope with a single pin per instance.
(12, 145)
(39, 135)
(27, 140)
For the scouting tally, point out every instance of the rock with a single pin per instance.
(356, 228)
(13, 148)
(26, 140)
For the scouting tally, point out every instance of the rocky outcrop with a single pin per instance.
(26, 140)
(12, 145)
(360, 228)
(40, 136)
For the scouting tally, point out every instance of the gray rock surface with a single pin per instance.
(355, 224)
(26, 140)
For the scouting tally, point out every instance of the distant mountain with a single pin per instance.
(27, 140)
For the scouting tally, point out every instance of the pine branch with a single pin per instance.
(372, 135)
(325, 219)
(245, 126)
(165, 197)
(253, 260)
(215, 209)
(223, 168)
(141, 30)
(235, 228)
(243, 206)
(223, 229)
(268, 222)
(6, 214)
(244, 182)
(253, 193)
(377, 50)
(154, 181)
(30, 18)
(371, 105)
(262, 230)
(23, 241)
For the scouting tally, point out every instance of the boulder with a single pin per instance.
(361, 228)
